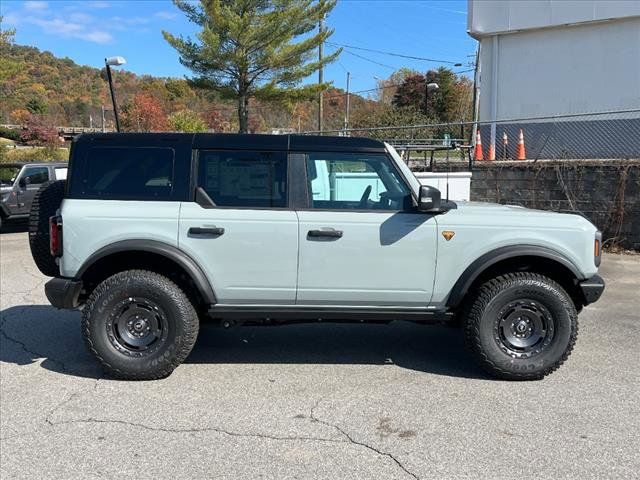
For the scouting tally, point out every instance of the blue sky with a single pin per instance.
(87, 31)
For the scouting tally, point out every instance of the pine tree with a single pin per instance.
(260, 49)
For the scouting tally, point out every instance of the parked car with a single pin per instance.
(154, 232)
(18, 184)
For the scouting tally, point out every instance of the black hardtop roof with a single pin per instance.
(44, 164)
(238, 141)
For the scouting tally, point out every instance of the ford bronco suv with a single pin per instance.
(153, 233)
(19, 183)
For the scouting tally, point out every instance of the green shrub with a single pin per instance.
(10, 133)
(34, 154)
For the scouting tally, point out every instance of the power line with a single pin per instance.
(372, 61)
(393, 54)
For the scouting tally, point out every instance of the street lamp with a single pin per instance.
(116, 62)
(429, 86)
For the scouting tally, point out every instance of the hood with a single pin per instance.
(495, 207)
(515, 215)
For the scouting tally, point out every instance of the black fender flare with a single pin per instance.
(4, 211)
(164, 249)
(479, 265)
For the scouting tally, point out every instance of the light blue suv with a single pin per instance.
(153, 233)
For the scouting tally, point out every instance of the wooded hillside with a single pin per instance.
(62, 93)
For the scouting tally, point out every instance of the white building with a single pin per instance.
(551, 57)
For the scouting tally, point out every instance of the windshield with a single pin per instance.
(8, 175)
(406, 171)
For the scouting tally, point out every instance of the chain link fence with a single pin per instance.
(601, 135)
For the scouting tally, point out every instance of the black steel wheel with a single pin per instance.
(523, 328)
(139, 325)
(520, 326)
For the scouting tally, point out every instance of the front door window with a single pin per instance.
(355, 182)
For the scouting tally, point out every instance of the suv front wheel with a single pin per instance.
(520, 326)
(139, 324)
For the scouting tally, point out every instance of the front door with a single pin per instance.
(247, 243)
(361, 241)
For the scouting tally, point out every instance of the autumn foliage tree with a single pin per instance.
(215, 120)
(37, 133)
(144, 113)
(450, 103)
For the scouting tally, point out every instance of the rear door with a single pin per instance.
(31, 179)
(361, 242)
(247, 242)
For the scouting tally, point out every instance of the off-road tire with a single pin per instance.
(162, 357)
(46, 202)
(483, 338)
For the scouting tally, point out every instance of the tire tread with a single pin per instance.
(190, 324)
(46, 202)
(479, 300)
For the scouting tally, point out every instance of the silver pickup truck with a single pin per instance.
(153, 233)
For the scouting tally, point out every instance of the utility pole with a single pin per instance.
(346, 106)
(320, 75)
(103, 119)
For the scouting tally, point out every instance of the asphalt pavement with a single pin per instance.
(327, 401)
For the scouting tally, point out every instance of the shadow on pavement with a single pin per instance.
(14, 227)
(32, 332)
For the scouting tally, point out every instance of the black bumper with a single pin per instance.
(63, 292)
(592, 288)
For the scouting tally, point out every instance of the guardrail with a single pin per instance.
(63, 130)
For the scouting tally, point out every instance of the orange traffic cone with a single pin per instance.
(492, 151)
(521, 153)
(477, 154)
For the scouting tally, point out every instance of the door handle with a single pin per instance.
(328, 233)
(206, 231)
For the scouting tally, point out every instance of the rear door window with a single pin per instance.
(244, 179)
(128, 173)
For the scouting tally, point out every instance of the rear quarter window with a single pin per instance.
(131, 173)
(61, 173)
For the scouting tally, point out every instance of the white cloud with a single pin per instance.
(98, 36)
(36, 6)
(68, 29)
(165, 15)
(79, 17)
(97, 4)
(129, 20)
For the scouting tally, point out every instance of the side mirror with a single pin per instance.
(24, 181)
(428, 199)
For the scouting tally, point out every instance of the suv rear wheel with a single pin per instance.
(520, 326)
(139, 324)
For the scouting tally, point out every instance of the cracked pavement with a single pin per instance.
(314, 401)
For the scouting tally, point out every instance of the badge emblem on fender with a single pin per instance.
(448, 234)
